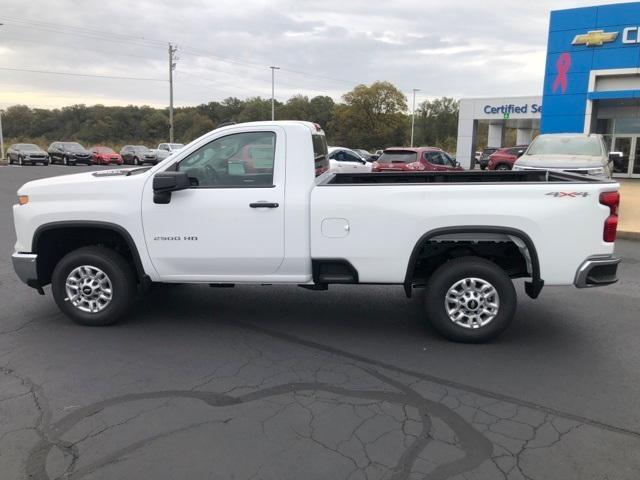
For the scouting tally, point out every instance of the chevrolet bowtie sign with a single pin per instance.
(597, 38)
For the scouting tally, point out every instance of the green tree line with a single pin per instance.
(370, 117)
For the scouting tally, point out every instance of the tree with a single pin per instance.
(371, 117)
(437, 123)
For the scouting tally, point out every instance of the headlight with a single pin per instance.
(23, 199)
(596, 171)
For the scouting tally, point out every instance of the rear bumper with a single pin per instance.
(25, 266)
(597, 271)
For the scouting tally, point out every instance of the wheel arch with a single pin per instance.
(532, 287)
(89, 230)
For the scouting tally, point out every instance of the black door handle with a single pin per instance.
(264, 205)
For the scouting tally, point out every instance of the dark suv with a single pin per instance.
(484, 156)
(138, 154)
(69, 153)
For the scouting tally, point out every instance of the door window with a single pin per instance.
(236, 160)
(434, 158)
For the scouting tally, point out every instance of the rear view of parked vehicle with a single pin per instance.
(27, 154)
(345, 160)
(166, 149)
(504, 158)
(105, 156)
(138, 155)
(69, 153)
(569, 152)
(404, 159)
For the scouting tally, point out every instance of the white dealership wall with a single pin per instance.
(522, 113)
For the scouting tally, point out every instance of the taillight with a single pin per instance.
(611, 200)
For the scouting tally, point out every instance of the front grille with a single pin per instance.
(36, 155)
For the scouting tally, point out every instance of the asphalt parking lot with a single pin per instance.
(284, 383)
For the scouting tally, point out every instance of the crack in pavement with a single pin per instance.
(476, 447)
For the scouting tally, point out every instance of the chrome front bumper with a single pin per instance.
(597, 271)
(25, 265)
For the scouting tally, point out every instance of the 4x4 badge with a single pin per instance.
(568, 194)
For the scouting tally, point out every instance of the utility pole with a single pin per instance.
(1, 137)
(413, 113)
(273, 92)
(172, 66)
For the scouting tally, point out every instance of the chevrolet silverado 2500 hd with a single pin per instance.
(208, 215)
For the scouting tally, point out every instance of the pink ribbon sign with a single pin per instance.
(563, 64)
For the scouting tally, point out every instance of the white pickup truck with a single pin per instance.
(254, 203)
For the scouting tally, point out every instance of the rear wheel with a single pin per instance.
(503, 167)
(93, 286)
(136, 161)
(470, 299)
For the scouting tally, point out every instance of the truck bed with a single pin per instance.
(485, 177)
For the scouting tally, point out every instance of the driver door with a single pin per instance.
(229, 225)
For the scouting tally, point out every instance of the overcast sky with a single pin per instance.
(456, 48)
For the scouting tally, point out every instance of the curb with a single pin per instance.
(628, 235)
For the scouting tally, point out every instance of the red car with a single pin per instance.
(105, 156)
(504, 158)
(425, 159)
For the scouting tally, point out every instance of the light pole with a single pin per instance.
(413, 113)
(1, 137)
(273, 92)
(172, 67)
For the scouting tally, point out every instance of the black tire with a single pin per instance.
(483, 167)
(120, 274)
(445, 277)
(503, 167)
(65, 161)
(20, 161)
(136, 161)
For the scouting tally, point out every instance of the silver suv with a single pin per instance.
(585, 154)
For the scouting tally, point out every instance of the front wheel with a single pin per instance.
(470, 299)
(503, 167)
(93, 286)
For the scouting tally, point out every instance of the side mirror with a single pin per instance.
(166, 182)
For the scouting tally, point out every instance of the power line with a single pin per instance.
(71, 74)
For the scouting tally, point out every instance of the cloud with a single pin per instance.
(462, 48)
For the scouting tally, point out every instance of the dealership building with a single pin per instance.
(591, 85)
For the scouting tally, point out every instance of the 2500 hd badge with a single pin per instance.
(162, 238)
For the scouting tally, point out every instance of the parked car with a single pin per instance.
(69, 153)
(405, 159)
(105, 156)
(345, 160)
(27, 153)
(369, 157)
(585, 154)
(504, 158)
(452, 233)
(484, 156)
(166, 149)
(138, 155)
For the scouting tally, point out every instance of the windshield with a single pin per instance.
(398, 156)
(26, 147)
(73, 146)
(141, 148)
(104, 150)
(559, 145)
